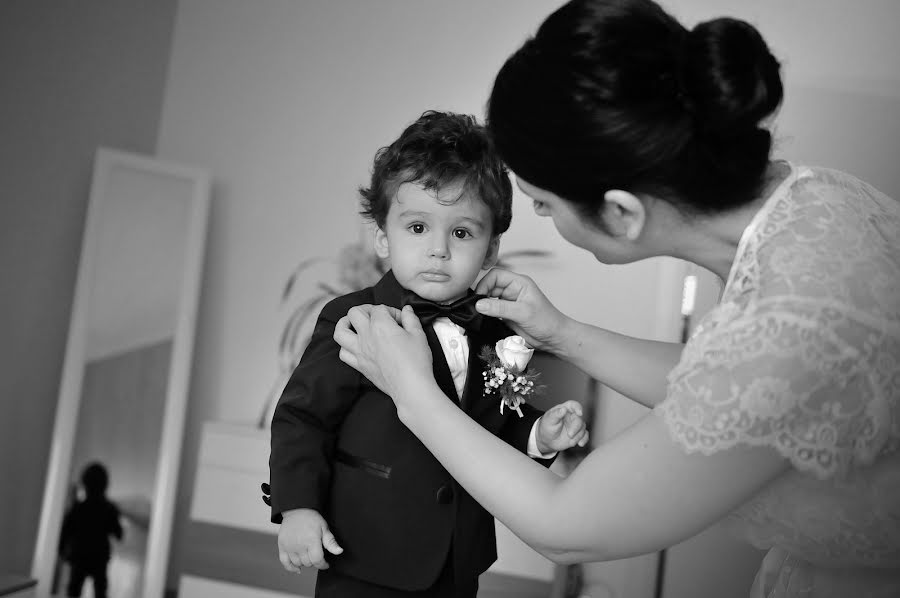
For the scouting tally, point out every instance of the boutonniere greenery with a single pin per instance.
(506, 376)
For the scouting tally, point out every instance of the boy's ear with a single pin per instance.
(624, 214)
(382, 249)
(493, 252)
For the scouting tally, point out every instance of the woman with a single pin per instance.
(782, 412)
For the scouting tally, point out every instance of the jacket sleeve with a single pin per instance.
(317, 397)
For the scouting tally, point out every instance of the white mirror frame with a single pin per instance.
(174, 412)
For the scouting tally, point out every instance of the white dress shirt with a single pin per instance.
(456, 350)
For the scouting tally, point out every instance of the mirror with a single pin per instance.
(123, 391)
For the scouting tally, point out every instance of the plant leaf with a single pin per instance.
(308, 309)
(295, 322)
(504, 260)
(527, 253)
(329, 289)
(292, 279)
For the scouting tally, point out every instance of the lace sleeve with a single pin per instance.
(806, 380)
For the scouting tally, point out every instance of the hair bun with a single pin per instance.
(730, 79)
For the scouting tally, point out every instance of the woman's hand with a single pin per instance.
(517, 300)
(387, 346)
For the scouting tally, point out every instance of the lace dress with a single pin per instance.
(802, 354)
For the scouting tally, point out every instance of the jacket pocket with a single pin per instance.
(376, 469)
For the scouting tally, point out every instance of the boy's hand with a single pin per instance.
(561, 427)
(302, 540)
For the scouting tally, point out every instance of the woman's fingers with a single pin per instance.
(345, 335)
(500, 308)
(360, 317)
(385, 310)
(348, 357)
(502, 283)
(379, 341)
(382, 315)
(410, 321)
(508, 296)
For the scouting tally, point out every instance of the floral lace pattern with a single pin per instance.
(802, 354)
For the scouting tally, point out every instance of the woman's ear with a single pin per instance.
(382, 248)
(493, 252)
(624, 214)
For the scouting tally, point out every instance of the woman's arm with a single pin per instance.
(635, 367)
(637, 493)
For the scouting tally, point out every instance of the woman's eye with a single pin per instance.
(539, 207)
(461, 233)
(417, 228)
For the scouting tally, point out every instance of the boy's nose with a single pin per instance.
(439, 251)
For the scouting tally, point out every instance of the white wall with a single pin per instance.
(286, 102)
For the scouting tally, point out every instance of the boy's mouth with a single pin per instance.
(435, 275)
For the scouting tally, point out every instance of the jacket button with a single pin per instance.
(444, 495)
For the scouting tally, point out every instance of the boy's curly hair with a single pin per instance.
(438, 150)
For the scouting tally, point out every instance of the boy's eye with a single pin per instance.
(417, 228)
(461, 233)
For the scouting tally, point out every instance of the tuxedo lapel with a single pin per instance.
(442, 373)
(474, 380)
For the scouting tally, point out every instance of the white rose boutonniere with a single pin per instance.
(505, 375)
(514, 353)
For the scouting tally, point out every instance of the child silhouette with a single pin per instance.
(86, 530)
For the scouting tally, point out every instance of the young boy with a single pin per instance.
(347, 477)
(86, 530)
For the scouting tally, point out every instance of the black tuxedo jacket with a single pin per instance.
(338, 447)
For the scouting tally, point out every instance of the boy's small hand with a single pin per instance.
(303, 539)
(561, 427)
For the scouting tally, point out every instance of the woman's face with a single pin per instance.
(571, 224)
(616, 242)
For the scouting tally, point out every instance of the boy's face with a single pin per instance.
(437, 249)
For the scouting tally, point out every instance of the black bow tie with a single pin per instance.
(461, 312)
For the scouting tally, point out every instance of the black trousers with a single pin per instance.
(78, 572)
(330, 584)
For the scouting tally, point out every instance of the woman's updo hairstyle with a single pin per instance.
(617, 94)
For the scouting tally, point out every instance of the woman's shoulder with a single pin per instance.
(827, 196)
(827, 238)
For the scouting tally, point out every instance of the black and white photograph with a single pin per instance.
(450, 299)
